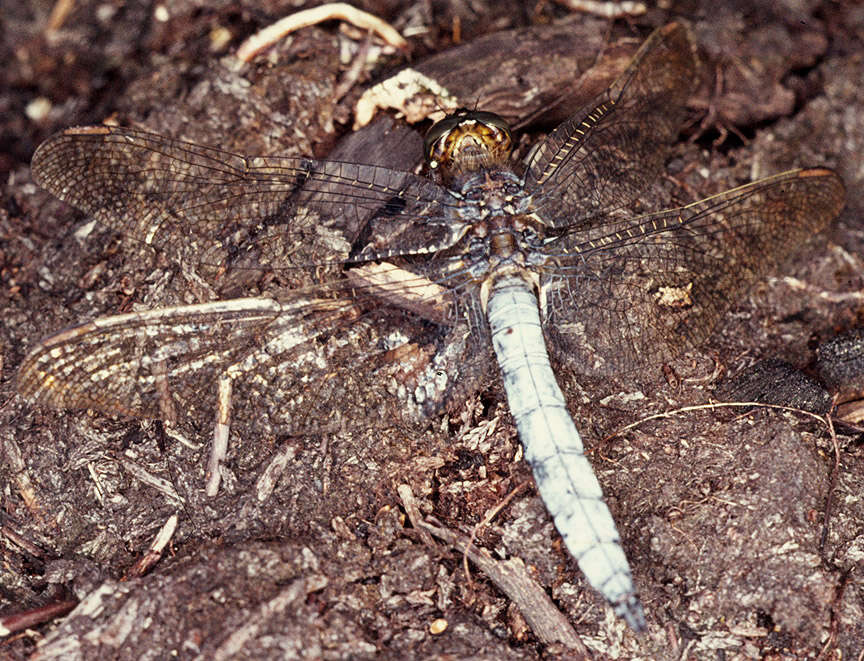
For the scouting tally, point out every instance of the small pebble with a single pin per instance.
(438, 626)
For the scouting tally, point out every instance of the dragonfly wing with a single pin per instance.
(641, 291)
(603, 157)
(206, 206)
(348, 351)
(125, 364)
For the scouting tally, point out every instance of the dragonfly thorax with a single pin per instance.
(502, 244)
(489, 193)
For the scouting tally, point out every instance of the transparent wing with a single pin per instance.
(208, 206)
(342, 342)
(639, 292)
(603, 157)
(128, 364)
(298, 363)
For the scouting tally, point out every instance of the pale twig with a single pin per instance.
(154, 554)
(219, 447)
(267, 481)
(832, 484)
(830, 296)
(267, 613)
(59, 13)
(161, 485)
(605, 9)
(413, 512)
(301, 19)
(704, 407)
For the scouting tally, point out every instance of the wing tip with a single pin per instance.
(817, 172)
(833, 179)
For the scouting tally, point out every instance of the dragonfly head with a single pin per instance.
(466, 141)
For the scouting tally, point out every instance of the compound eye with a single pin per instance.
(439, 130)
(491, 120)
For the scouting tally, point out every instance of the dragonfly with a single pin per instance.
(378, 294)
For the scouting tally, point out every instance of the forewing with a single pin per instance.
(604, 156)
(206, 206)
(641, 291)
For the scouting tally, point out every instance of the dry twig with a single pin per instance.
(154, 554)
(548, 623)
(605, 9)
(485, 522)
(301, 19)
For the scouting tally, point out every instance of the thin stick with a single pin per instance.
(605, 9)
(33, 617)
(832, 484)
(219, 448)
(154, 553)
(486, 520)
(413, 511)
(301, 19)
(511, 577)
(59, 13)
(703, 407)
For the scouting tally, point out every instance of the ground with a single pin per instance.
(744, 528)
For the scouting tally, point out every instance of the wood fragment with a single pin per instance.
(219, 448)
(18, 539)
(830, 296)
(267, 611)
(268, 479)
(487, 519)
(15, 464)
(161, 485)
(851, 412)
(27, 619)
(403, 289)
(97, 483)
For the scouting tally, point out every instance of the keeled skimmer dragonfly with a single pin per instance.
(382, 290)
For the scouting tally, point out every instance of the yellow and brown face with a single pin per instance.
(467, 141)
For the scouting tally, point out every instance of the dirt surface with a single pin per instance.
(745, 531)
